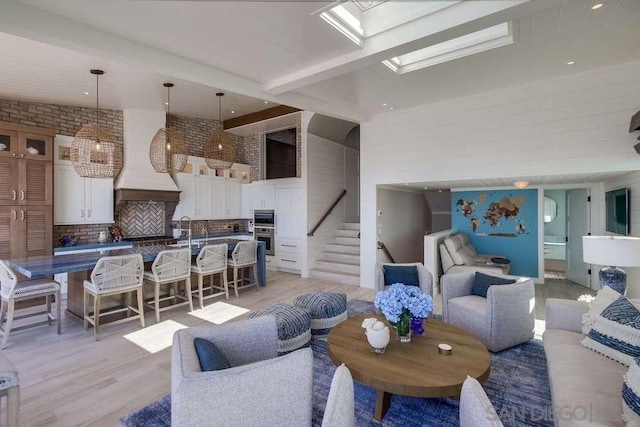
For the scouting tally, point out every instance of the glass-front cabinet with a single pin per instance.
(25, 145)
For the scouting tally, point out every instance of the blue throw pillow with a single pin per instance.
(210, 356)
(483, 281)
(405, 274)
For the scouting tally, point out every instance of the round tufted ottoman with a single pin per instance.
(294, 325)
(327, 310)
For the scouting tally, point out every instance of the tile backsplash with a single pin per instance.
(142, 219)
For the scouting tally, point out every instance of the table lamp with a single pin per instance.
(612, 251)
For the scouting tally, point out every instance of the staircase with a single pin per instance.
(340, 260)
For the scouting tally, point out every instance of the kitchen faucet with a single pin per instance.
(180, 227)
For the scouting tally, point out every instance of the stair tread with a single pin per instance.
(342, 244)
(339, 262)
(339, 273)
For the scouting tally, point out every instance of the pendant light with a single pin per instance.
(95, 152)
(220, 151)
(168, 152)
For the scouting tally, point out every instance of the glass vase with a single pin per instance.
(403, 329)
(417, 327)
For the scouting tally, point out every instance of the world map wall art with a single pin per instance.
(493, 213)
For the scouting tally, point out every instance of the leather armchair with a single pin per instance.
(504, 319)
(458, 255)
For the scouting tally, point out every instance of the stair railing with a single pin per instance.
(327, 213)
(386, 251)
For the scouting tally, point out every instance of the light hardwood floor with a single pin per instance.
(71, 379)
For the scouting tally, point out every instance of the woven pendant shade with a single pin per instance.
(95, 152)
(220, 150)
(168, 152)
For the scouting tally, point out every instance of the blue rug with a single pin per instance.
(518, 387)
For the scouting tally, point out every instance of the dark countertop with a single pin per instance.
(48, 265)
(91, 246)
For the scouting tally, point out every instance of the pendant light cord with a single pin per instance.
(168, 106)
(97, 101)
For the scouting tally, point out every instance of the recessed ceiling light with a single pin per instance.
(597, 6)
(266, 102)
(571, 62)
(233, 112)
(166, 103)
(86, 93)
(384, 104)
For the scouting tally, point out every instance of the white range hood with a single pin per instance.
(137, 173)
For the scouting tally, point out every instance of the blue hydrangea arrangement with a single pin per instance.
(400, 300)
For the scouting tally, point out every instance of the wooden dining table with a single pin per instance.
(78, 266)
(416, 368)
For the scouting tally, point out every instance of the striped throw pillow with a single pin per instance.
(616, 332)
(631, 395)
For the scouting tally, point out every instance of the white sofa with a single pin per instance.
(580, 379)
(459, 256)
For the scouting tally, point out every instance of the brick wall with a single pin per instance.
(83, 232)
(215, 226)
(196, 132)
(65, 119)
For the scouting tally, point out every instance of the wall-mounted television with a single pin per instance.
(617, 203)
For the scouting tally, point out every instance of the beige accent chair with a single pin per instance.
(244, 255)
(170, 267)
(259, 389)
(211, 260)
(506, 317)
(424, 277)
(458, 256)
(114, 275)
(12, 290)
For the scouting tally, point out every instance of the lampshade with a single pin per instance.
(95, 152)
(220, 150)
(168, 152)
(618, 251)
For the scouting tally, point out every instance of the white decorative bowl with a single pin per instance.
(378, 337)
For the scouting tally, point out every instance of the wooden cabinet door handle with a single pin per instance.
(88, 213)
(15, 215)
(15, 194)
(22, 195)
(21, 215)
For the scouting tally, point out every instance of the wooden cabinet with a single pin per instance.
(26, 191)
(81, 200)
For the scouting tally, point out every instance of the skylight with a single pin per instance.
(469, 44)
(345, 22)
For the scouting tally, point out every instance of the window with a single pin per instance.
(281, 154)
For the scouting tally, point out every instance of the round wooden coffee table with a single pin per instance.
(411, 369)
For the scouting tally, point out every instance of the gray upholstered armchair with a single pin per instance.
(504, 319)
(425, 278)
(260, 389)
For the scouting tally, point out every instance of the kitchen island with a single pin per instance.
(79, 267)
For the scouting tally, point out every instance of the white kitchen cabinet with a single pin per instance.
(195, 197)
(78, 200)
(289, 219)
(227, 198)
(257, 197)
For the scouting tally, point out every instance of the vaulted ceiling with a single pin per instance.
(283, 53)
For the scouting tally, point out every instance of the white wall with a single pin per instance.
(402, 225)
(326, 178)
(575, 124)
(631, 180)
(352, 184)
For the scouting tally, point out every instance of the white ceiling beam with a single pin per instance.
(454, 21)
(38, 25)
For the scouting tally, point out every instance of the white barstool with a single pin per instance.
(170, 267)
(211, 260)
(10, 387)
(12, 290)
(114, 275)
(244, 255)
